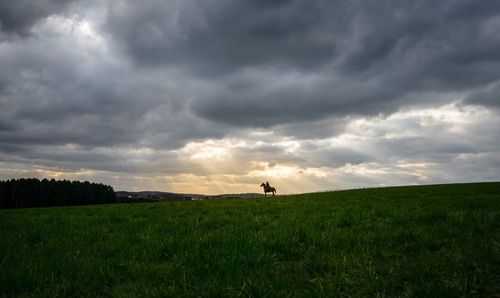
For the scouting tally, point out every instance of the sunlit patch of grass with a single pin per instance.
(403, 241)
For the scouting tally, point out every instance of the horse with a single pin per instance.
(268, 188)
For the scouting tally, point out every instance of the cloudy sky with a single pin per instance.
(217, 96)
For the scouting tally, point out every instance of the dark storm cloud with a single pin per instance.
(83, 83)
(20, 15)
(218, 37)
(54, 95)
(295, 102)
(50, 101)
(292, 65)
(488, 96)
(368, 55)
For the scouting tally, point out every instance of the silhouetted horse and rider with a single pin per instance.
(268, 188)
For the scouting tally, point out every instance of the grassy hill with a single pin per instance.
(441, 240)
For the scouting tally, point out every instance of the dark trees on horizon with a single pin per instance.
(23, 193)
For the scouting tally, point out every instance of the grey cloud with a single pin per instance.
(272, 154)
(218, 37)
(281, 102)
(309, 154)
(20, 15)
(424, 148)
(169, 72)
(289, 65)
(488, 96)
(336, 157)
(55, 95)
(438, 144)
(111, 159)
(312, 130)
(369, 57)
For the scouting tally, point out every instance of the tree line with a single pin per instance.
(23, 193)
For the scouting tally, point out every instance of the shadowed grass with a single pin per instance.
(404, 241)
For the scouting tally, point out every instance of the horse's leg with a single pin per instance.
(265, 194)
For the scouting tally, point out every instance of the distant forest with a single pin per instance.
(23, 193)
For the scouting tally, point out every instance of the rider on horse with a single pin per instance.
(268, 188)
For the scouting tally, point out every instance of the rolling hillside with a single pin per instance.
(441, 240)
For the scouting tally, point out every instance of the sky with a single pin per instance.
(199, 96)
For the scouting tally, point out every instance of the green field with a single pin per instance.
(419, 241)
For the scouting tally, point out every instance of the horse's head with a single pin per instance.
(262, 184)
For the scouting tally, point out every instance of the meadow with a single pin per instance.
(416, 241)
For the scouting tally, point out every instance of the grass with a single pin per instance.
(439, 241)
